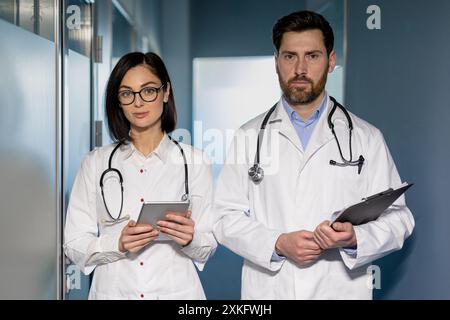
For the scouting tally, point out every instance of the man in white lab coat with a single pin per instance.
(280, 224)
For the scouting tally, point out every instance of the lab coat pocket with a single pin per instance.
(95, 295)
(257, 283)
(346, 285)
(347, 184)
(192, 293)
(104, 282)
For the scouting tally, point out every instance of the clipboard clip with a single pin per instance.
(386, 192)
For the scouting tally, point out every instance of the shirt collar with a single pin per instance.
(294, 116)
(161, 151)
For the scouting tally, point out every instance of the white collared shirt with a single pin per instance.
(162, 270)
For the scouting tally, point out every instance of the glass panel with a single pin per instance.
(223, 104)
(77, 144)
(237, 97)
(8, 10)
(46, 21)
(36, 16)
(27, 15)
(28, 246)
(78, 17)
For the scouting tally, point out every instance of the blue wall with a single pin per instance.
(398, 78)
(176, 53)
(223, 28)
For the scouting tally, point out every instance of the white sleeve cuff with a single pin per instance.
(107, 250)
(276, 261)
(350, 251)
(349, 255)
(202, 246)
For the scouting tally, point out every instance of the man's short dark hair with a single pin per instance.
(118, 124)
(302, 21)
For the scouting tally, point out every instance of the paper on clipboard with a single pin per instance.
(369, 208)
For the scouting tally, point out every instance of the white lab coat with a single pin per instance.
(160, 270)
(299, 191)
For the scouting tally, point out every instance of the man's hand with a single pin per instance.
(298, 246)
(339, 235)
(134, 236)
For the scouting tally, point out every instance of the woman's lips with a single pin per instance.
(140, 115)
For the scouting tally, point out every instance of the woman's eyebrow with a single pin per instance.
(142, 85)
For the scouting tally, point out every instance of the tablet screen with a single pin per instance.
(152, 212)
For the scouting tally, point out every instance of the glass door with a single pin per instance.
(77, 120)
(29, 202)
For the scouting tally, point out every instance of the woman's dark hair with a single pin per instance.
(302, 21)
(118, 124)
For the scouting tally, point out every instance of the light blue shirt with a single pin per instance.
(304, 128)
(304, 131)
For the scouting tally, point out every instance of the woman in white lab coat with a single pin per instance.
(101, 232)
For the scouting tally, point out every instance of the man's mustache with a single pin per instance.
(300, 78)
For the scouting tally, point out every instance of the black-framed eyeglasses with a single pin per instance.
(147, 94)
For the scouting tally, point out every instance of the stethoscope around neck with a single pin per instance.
(256, 172)
(344, 162)
(184, 197)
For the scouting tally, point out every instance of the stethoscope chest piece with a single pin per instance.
(256, 173)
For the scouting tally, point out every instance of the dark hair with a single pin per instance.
(118, 124)
(302, 21)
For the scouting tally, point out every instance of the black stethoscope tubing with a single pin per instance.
(185, 196)
(344, 162)
(256, 173)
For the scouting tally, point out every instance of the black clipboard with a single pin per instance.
(369, 208)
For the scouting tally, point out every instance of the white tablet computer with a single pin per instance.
(152, 212)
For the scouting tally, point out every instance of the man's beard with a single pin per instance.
(302, 95)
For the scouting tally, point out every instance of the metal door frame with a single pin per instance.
(61, 54)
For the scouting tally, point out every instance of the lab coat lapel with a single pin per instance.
(281, 122)
(322, 133)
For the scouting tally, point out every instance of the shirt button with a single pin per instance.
(142, 295)
(142, 170)
(142, 199)
(141, 263)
